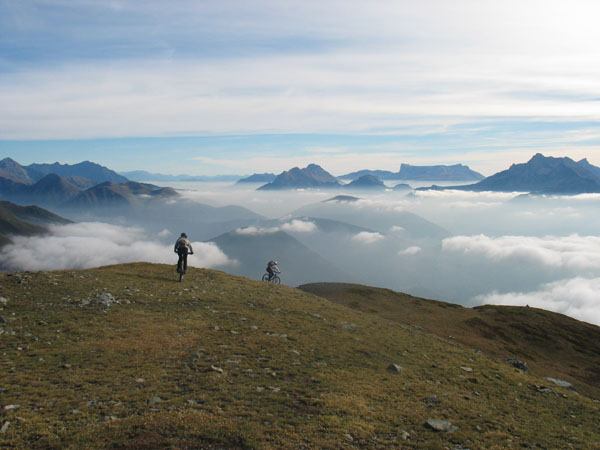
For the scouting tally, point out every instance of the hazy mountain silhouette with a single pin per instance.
(457, 172)
(254, 250)
(112, 195)
(85, 169)
(25, 220)
(312, 176)
(542, 175)
(366, 182)
(258, 178)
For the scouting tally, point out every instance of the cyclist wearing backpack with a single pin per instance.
(182, 245)
(272, 268)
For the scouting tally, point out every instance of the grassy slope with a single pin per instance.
(552, 344)
(298, 371)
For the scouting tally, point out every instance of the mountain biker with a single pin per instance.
(272, 269)
(182, 245)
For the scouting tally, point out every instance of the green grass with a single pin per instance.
(243, 364)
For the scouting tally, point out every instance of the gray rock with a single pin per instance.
(3, 301)
(349, 326)
(155, 400)
(107, 299)
(4, 428)
(467, 369)
(518, 364)
(395, 368)
(441, 425)
(561, 383)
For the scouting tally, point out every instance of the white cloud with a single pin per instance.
(397, 229)
(366, 237)
(576, 297)
(571, 252)
(296, 225)
(299, 226)
(253, 231)
(94, 244)
(410, 251)
(164, 233)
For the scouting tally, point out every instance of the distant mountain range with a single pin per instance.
(83, 185)
(258, 178)
(142, 175)
(18, 220)
(312, 176)
(541, 175)
(457, 172)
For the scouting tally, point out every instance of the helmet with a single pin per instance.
(275, 262)
(183, 235)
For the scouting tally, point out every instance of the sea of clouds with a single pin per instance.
(93, 244)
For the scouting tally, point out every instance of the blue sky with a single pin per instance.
(205, 87)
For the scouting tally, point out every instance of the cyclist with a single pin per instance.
(182, 248)
(272, 269)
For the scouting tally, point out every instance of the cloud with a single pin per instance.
(410, 251)
(366, 237)
(576, 297)
(254, 231)
(299, 226)
(94, 244)
(570, 252)
(295, 226)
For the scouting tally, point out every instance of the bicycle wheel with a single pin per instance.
(265, 277)
(276, 280)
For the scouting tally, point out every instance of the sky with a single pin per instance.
(236, 87)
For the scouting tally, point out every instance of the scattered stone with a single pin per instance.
(518, 364)
(75, 411)
(216, 369)
(140, 380)
(4, 428)
(395, 368)
(66, 366)
(542, 389)
(404, 435)
(10, 407)
(155, 400)
(441, 425)
(561, 383)
(348, 436)
(431, 400)
(3, 301)
(259, 389)
(349, 326)
(107, 299)
(466, 369)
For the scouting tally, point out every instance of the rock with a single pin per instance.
(518, 364)
(107, 299)
(431, 400)
(395, 368)
(542, 389)
(348, 437)
(404, 435)
(155, 400)
(441, 425)
(140, 380)
(561, 383)
(10, 407)
(467, 369)
(4, 428)
(216, 369)
(3, 301)
(66, 366)
(349, 326)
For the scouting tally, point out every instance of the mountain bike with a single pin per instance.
(179, 269)
(274, 279)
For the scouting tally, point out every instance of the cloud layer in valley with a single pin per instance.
(93, 244)
(575, 297)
